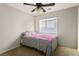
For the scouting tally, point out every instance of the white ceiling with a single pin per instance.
(27, 9)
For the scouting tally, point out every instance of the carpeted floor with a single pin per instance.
(64, 51)
(23, 51)
(26, 51)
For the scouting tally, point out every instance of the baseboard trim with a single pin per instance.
(9, 49)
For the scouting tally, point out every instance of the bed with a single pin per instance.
(43, 42)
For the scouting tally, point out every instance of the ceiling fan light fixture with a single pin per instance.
(39, 10)
(39, 6)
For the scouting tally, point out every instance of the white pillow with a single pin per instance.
(28, 33)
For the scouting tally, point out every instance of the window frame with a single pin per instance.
(54, 18)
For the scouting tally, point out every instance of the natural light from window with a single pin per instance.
(48, 26)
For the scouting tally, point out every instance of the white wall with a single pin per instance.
(78, 28)
(67, 26)
(12, 23)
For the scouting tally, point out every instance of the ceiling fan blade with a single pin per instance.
(43, 9)
(50, 4)
(33, 9)
(29, 4)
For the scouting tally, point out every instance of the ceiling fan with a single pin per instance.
(40, 6)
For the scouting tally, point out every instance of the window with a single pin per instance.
(48, 25)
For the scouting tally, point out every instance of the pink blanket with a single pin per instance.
(44, 36)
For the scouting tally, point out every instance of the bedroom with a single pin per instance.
(17, 19)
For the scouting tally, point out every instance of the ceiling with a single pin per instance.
(27, 9)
